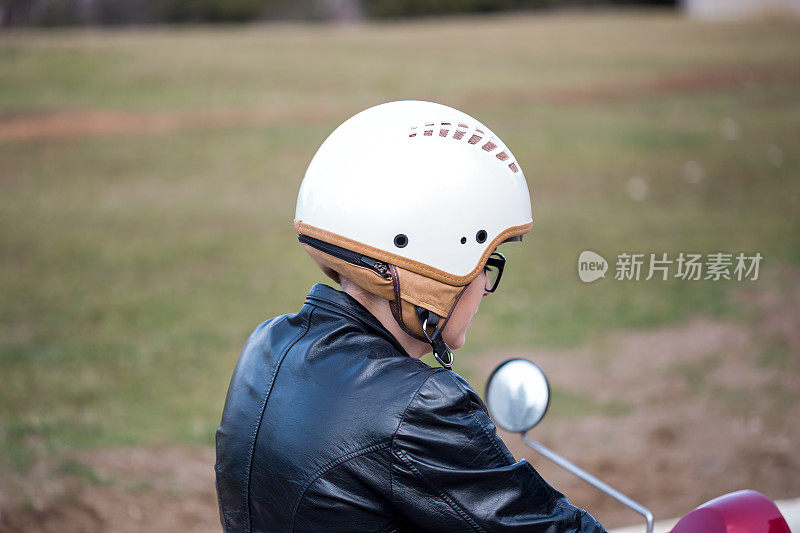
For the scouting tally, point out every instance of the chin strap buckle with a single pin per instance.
(441, 351)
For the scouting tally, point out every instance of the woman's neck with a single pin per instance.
(380, 310)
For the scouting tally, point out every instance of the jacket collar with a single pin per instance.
(342, 303)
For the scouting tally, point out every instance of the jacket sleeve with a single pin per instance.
(451, 472)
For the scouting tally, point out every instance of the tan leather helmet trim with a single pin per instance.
(428, 293)
(408, 264)
(404, 290)
(417, 290)
(364, 277)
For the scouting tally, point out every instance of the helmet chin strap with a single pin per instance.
(441, 351)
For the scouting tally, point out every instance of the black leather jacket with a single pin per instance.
(330, 425)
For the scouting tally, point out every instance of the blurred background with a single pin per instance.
(150, 157)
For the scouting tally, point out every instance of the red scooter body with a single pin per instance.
(745, 511)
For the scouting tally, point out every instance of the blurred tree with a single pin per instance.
(213, 10)
(414, 8)
(342, 10)
(39, 12)
(113, 12)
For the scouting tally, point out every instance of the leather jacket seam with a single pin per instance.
(442, 494)
(330, 466)
(579, 513)
(402, 456)
(492, 438)
(402, 419)
(257, 426)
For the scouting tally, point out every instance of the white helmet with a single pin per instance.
(425, 189)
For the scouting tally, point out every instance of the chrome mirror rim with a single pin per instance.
(547, 386)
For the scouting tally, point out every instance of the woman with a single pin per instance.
(332, 423)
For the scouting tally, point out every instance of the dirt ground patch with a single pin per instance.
(70, 124)
(122, 490)
(687, 82)
(682, 414)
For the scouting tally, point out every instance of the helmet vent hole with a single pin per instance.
(463, 240)
(459, 131)
(481, 236)
(400, 240)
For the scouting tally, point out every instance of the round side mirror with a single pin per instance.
(517, 395)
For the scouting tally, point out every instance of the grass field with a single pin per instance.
(134, 265)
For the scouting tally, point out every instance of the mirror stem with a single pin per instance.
(591, 480)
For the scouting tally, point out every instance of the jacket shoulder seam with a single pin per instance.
(492, 438)
(442, 495)
(400, 423)
(330, 466)
(257, 426)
